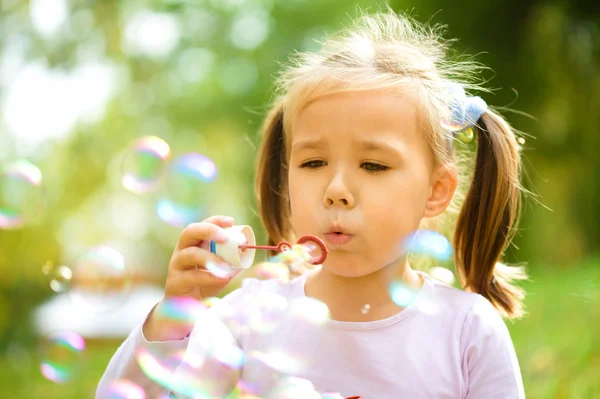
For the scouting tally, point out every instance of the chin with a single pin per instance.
(348, 269)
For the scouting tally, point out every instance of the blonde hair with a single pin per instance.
(393, 52)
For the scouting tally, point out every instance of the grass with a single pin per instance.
(558, 344)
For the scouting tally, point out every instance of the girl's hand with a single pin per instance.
(187, 275)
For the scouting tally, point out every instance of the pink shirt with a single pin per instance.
(446, 344)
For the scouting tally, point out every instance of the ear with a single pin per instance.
(444, 181)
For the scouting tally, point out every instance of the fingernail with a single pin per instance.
(220, 236)
(228, 220)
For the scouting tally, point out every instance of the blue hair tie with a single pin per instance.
(465, 112)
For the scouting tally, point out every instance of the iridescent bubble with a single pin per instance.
(466, 135)
(263, 311)
(220, 269)
(187, 188)
(21, 196)
(401, 294)
(178, 315)
(100, 279)
(230, 355)
(208, 367)
(309, 310)
(429, 243)
(144, 164)
(272, 270)
(331, 395)
(365, 309)
(463, 111)
(181, 309)
(62, 356)
(259, 375)
(123, 389)
(60, 278)
(159, 366)
(297, 258)
(442, 274)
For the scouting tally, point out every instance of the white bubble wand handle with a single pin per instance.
(241, 246)
(232, 251)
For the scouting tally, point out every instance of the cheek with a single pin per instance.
(298, 201)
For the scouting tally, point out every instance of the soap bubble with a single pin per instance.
(220, 269)
(208, 367)
(259, 375)
(188, 187)
(429, 243)
(179, 314)
(62, 356)
(21, 195)
(404, 296)
(123, 389)
(100, 279)
(401, 294)
(272, 270)
(263, 311)
(144, 164)
(60, 279)
(297, 258)
(331, 395)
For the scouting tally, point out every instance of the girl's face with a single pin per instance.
(359, 165)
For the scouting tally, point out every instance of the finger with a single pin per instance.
(220, 220)
(195, 258)
(196, 232)
(207, 279)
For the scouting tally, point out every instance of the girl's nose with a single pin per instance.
(338, 194)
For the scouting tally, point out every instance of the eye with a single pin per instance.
(313, 164)
(373, 168)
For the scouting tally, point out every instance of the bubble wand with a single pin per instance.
(241, 246)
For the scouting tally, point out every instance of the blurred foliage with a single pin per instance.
(198, 74)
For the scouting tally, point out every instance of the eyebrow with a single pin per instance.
(377, 145)
(313, 144)
(364, 144)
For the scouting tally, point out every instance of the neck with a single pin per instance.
(363, 298)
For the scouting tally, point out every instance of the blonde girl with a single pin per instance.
(362, 148)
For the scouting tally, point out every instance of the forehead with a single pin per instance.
(341, 117)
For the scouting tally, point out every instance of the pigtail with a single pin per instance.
(271, 184)
(487, 220)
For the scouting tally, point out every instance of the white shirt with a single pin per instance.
(446, 344)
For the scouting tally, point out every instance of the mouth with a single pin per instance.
(338, 236)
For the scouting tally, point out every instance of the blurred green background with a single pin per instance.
(81, 79)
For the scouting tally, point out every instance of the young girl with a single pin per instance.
(360, 149)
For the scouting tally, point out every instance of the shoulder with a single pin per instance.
(484, 324)
(477, 314)
(471, 315)
(452, 301)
